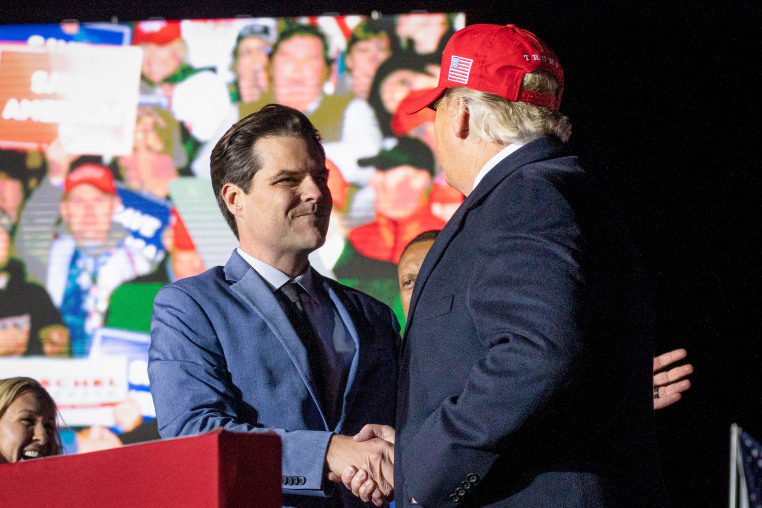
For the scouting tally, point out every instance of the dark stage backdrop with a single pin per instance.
(665, 105)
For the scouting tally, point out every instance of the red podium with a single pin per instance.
(220, 470)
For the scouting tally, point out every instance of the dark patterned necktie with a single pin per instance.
(298, 316)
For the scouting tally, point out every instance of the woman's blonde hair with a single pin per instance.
(501, 121)
(12, 387)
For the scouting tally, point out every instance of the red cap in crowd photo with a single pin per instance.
(92, 174)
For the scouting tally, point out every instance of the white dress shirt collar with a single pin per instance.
(274, 277)
(499, 156)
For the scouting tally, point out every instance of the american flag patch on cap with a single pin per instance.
(460, 68)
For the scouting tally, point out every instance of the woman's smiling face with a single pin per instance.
(27, 429)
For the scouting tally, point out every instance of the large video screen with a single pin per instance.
(106, 130)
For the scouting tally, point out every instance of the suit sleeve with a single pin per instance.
(193, 393)
(523, 299)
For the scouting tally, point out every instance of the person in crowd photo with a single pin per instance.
(28, 428)
(30, 324)
(368, 47)
(156, 154)
(131, 304)
(93, 257)
(177, 86)
(267, 344)
(401, 182)
(300, 66)
(251, 62)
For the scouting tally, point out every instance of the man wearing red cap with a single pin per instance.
(164, 72)
(92, 257)
(526, 370)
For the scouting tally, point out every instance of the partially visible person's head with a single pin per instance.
(251, 60)
(235, 158)
(12, 193)
(423, 30)
(368, 47)
(27, 421)
(6, 230)
(163, 48)
(88, 204)
(300, 66)
(395, 79)
(402, 178)
(410, 264)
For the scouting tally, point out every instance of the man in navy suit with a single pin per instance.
(526, 366)
(265, 343)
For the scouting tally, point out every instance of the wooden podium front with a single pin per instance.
(219, 469)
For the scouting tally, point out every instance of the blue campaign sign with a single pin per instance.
(145, 216)
(94, 33)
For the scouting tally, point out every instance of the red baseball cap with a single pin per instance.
(494, 59)
(156, 31)
(402, 122)
(92, 174)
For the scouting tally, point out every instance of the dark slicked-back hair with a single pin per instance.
(234, 159)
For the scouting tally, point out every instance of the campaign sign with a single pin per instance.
(133, 347)
(85, 391)
(84, 95)
(53, 33)
(145, 216)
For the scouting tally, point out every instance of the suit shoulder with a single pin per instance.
(198, 284)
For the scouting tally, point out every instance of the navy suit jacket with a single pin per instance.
(526, 369)
(224, 355)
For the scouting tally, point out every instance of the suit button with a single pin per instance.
(465, 485)
(472, 478)
(461, 492)
(302, 480)
(454, 498)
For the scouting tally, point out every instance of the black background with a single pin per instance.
(664, 98)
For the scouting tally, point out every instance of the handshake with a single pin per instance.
(364, 463)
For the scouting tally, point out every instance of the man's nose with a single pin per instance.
(314, 191)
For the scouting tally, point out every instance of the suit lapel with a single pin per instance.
(246, 283)
(542, 148)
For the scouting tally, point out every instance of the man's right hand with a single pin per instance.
(373, 456)
(359, 480)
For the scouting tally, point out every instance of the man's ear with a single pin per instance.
(231, 195)
(462, 117)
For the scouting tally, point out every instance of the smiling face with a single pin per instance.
(408, 268)
(285, 214)
(363, 61)
(399, 191)
(88, 212)
(159, 61)
(27, 429)
(299, 70)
